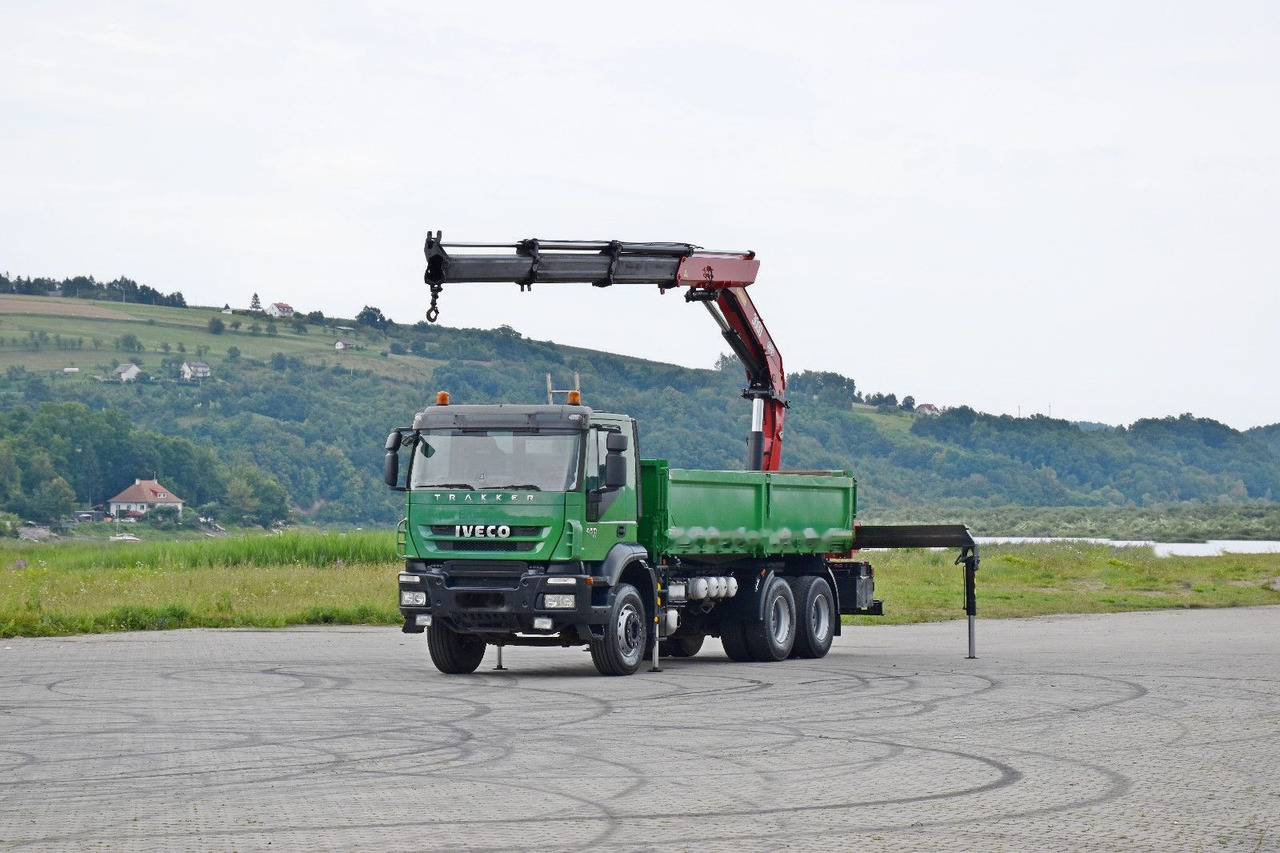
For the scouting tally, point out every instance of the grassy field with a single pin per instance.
(258, 581)
(90, 329)
(1066, 577)
(301, 578)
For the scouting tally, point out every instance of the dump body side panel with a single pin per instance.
(746, 513)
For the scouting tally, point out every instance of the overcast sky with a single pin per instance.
(1065, 208)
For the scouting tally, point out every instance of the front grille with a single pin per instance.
(500, 546)
(490, 575)
(483, 583)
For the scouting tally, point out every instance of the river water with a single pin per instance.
(1212, 548)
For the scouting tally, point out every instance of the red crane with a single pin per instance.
(717, 279)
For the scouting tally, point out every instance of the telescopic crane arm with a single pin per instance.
(717, 279)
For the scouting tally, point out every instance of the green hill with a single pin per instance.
(284, 406)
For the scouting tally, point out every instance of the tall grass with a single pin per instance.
(1068, 577)
(294, 548)
(294, 579)
(259, 581)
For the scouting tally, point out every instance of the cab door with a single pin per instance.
(611, 514)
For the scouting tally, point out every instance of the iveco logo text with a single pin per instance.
(481, 531)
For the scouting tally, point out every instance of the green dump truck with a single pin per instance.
(541, 524)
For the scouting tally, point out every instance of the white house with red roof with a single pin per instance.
(280, 309)
(142, 496)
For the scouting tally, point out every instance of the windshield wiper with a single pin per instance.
(466, 486)
(529, 486)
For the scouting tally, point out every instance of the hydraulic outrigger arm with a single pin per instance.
(717, 279)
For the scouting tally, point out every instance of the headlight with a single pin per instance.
(413, 599)
(559, 602)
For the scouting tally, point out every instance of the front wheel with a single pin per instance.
(451, 652)
(621, 649)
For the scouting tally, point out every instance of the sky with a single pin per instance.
(1029, 208)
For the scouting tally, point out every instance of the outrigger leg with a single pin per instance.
(931, 536)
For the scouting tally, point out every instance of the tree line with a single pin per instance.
(316, 428)
(65, 456)
(86, 287)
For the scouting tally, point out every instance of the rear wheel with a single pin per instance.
(734, 639)
(816, 615)
(451, 652)
(681, 647)
(626, 635)
(772, 638)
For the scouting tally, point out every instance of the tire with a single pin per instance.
(626, 636)
(451, 652)
(681, 647)
(815, 616)
(772, 638)
(734, 639)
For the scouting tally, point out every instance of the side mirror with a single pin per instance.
(615, 464)
(615, 471)
(391, 465)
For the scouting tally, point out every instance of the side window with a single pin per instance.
(597, 449)
(595, 458)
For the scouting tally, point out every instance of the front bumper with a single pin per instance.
(476, 599)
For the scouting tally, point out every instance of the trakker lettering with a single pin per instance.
(482, 531)
(484, 498)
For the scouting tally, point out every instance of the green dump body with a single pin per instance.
(745, 513)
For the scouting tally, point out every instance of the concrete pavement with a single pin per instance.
(1149, 731)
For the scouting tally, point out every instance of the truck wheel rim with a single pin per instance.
(630, 631)
(820, 618)
(780, 620)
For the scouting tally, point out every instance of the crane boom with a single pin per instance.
(717, 279)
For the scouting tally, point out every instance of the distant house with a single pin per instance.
(226, 308)
(927, 409)
(195, 370)
(341, 345)
(126, 372)
(142, 496)
(279, 309)
(70, 370)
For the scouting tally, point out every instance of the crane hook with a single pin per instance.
(433, 313)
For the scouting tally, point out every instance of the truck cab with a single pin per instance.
(521, 529)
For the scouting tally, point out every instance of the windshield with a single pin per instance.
(496, 459)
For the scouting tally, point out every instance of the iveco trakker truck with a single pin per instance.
(542, 525)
